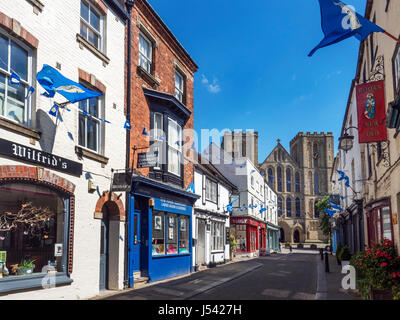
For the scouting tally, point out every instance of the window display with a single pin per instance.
(217, 232)
(184, 234)
(172, 240)
(32, 223)
(158, 244)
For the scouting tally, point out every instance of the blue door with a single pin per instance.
(136, 242)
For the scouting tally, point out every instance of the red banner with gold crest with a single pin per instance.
(371, 109)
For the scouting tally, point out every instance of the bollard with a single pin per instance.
(326, 262)
(321, 252)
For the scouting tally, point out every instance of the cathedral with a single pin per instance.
(300, 179)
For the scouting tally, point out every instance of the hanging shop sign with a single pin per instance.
(121, 181)
(147, 159)
(21, 152)
(371, 112)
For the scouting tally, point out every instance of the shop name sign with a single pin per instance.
(147, 159)
(171, 206)
(371, 112)
(21, 152)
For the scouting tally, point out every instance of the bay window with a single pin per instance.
(89, 124)
(15, 57)
(174, 147)
(91, 25)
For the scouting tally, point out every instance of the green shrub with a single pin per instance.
(345, 254)
(339, 251)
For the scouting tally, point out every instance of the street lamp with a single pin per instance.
(346, 141)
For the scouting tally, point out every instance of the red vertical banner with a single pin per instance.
(371, 109)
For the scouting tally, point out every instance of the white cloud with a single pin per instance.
(213, 87)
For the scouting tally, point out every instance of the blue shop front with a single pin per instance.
(160, 230)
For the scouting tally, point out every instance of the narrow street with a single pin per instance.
(278, 277)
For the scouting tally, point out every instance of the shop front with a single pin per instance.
(36, 228)
(250, 235)
(273, 234)
(160, 231)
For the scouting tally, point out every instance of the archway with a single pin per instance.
(296, 236)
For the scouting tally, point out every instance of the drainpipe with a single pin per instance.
(129, 5)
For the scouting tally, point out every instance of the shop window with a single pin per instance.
(172, 234)
(240, 235)
(90, 110)
(158, 244)
(14, 57)
(217, 232)
(183, 234)
(33, 229)
(91, 25)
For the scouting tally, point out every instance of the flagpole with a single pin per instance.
(392, 36)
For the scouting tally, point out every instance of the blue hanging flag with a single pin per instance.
(342, 175)
(59, 117)
(334, 206)
(144, 132)
(70, 136)
(14, 79)
(127, 125)
(53, 111)
(330, 212)
(229, 207)
(31, 90)
(53, 81)
(347, 184)
(340, 21)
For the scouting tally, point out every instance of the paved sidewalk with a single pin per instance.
(330, 284)
(188, 286)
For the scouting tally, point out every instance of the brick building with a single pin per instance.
(64, 166)
(161, 115)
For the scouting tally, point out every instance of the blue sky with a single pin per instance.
(254, 72)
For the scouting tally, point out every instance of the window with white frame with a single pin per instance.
(217, 234)
(157, 135)
(174, 147)
(92, 25)
(145, 53)
(15, 57)
(179, 86)
(211, 190)
(89, 124)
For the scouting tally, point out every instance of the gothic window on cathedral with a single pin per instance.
(288, 180)
(279, 174)
(316, 212)
(316, 183)
(288, 207)
(270, 177)
(298, 207)
(280, 206)
(297, 182)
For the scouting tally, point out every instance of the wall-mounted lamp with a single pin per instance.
(346, 141)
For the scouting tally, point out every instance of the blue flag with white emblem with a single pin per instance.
(340, 21)
(54, 82)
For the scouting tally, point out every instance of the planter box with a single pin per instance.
(377, 294)
(24, 271)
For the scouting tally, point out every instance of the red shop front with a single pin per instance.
(249, 233)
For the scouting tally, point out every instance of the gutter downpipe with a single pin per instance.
(128, 272)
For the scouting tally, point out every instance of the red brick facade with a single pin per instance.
(167, 54)
(18, 173)
(14, 28)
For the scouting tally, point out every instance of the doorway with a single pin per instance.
(201, 242)
(104, 231)
(296, 236)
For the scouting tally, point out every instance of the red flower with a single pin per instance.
(383, 264)
(398, 274)
(394, 275)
